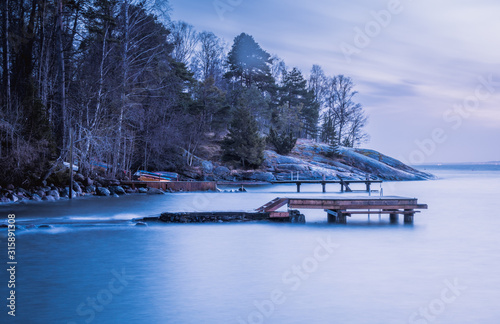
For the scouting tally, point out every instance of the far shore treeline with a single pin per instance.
(139, 91)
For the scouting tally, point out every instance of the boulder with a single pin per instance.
(13, 197)
(54, 193)
(117, 190)
(10, 187)
(77, 188)
(36, 197)
(131, 191)
(101, 191)
(263, 176)
(221, 171)
(154, 191)
(48, 198)
(4, 199)
(79, 177)
(90, 189)
(207, 166)
(143, 190)
(64, 193)
(88, 181)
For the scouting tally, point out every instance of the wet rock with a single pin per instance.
(131, 191)
(117, 190)
(10, 187)
(54, 193)
(263, 176)
(4, 199)
(90, 189)
(115, 195)
(36, 197)
(141, 224)
(221, 171)
(101, 191)
(77, 188)
(143, 190)
(12, 197)
(207, 166)
(154, 191)
(88, 182)
(64, 193)
(44, 226)
(48, 198)
(79, 177)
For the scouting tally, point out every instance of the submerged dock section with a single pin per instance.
(336, 208)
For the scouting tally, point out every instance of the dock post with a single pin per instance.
(342, 217)
(409, 216)
(298, 186)
(341, 186)
(368, 183)
(332, 216)
(394, 218)
(324, 186)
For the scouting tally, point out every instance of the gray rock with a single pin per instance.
(117, 190)
(221, 171)
(64, 193)
(10, 187)
(116, 195)
(154, 191)
(13, 197)
(263, 176)
(54, 193)
(143, 190)
(49, 198)
(208, 167)
(36, 197)
(88, 181)
(141, 224)
(90, 189)
(79, 177)
(4, 199)
(101, 191)
(77, 188)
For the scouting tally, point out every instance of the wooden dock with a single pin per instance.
(338, 209)
(344, 184)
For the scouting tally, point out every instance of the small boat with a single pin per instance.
(156, 176)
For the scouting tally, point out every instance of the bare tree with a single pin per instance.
(185, 39)
(343, 112)
(208, 61)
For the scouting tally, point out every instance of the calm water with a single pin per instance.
(94, 266)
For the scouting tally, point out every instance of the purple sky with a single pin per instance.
(427, 72)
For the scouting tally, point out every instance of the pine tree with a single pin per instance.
(244, 143)
(283, 141)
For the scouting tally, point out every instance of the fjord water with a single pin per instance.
(94, 266)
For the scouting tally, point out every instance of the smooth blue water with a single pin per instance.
(368, 271)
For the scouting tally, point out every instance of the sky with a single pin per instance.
(427, 72)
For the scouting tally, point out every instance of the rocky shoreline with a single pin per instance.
(312, 161)
(81, 187)
(307, 161)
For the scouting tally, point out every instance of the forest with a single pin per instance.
(133, 89)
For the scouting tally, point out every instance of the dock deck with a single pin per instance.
(339, 208)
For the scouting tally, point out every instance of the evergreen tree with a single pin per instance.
(283, 141)
(244, 143)
(249, 64)
(296, 98)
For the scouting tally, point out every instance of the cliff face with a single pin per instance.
(310, 160)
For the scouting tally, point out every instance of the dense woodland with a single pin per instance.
(135, 90)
